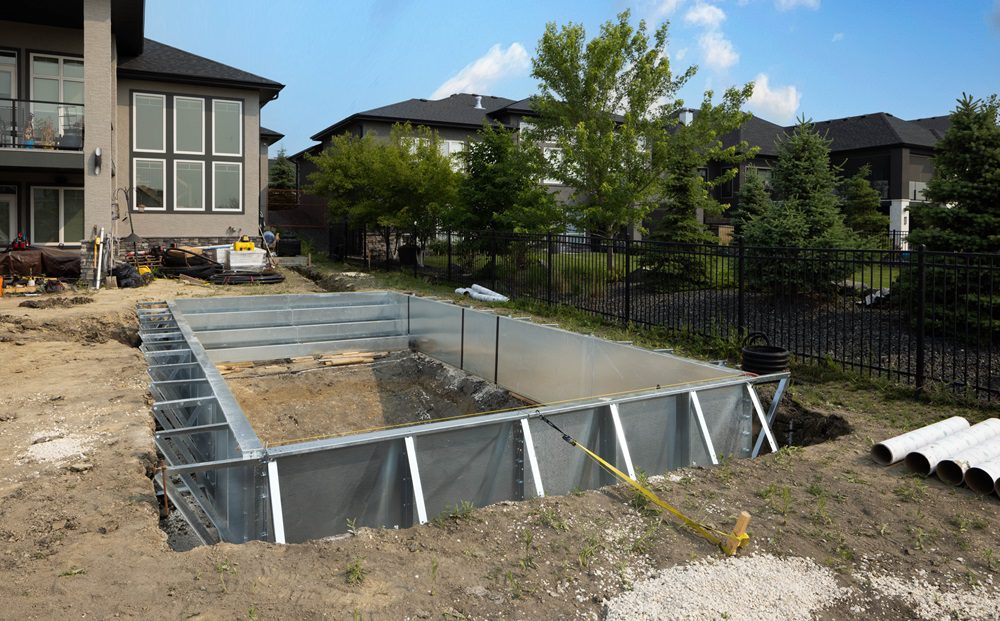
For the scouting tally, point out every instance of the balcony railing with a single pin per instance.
(31, 124)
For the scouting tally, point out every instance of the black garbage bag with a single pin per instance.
(128, 277)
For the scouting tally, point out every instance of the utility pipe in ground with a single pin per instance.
(925, 459)
(896, 449)
(984, 478)
(953, 469)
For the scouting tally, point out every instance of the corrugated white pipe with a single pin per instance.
(952, 470)
(895, 449)
(984, 478)
(925, 459)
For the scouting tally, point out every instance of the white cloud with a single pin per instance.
(777, 104)
(718, 50)
(665, 8)
(837, 37)
(788, 5)
(680, 54)
(480, 75)
(707, 15)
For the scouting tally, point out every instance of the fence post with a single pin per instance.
(921, 315)
(449, 256)
(740, 318)
(493, 260)
(548, 263)
(628, 279)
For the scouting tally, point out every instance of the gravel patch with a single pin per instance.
(55, 447)
(930, 602)
(752, 588)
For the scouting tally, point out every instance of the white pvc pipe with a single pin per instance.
(984, 478)
(895, 449)
(482, 294)
(925, 459)
(953, 469)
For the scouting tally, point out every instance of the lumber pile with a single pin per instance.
(299, 363)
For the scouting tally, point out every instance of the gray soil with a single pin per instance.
(400, 389)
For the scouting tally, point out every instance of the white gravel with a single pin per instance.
(55, 447)
(752, 588)
(930, 602)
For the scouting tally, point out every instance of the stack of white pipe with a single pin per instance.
(482, 294)
(955, 451)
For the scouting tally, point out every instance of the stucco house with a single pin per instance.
(91, 111)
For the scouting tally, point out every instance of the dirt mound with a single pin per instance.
(122, 327)
(56, 302)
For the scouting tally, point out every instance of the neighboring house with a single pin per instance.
(900, 153)
(89, 108)
(456, 119)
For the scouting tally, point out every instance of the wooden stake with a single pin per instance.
(734, 540)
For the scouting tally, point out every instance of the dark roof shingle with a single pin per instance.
(457, 109)
(160, 61)
(874, 130)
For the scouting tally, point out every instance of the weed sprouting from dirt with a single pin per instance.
(636, 499)
(528, 560)
(222, 568)
(644, 543)
(588, 551)
(459, 512)
(73, 571)
(434, 574)
(355, 573)
(552, 519)
(352, 526)
(911, 490)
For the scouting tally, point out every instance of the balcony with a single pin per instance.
(41, 134)
(30, 124)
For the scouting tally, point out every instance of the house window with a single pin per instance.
(189, 185)
(227, 134)
(8, 76)
(56, 215)
(554, 156)
(149, 122)
(55, 81)
(917, 190)
(8, 215)
(150, 182)
(452, 149)
(189, 125)
(227, 186)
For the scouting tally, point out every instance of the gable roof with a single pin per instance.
(937, 125)
(756, 132)
(162, 62)
(456, 110)
(269, 136)
(874, 130)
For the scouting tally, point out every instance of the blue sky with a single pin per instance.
(819, 58)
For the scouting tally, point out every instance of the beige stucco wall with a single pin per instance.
(49, 39)
(99, 70)
(207, 224)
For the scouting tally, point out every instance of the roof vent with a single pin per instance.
(479, 103)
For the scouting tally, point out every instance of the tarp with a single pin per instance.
(41, 261)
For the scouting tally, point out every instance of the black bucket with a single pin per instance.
(763, 358)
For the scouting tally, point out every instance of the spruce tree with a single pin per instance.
(861, 205)
(963, 213)
(752, 199)
(282, 172)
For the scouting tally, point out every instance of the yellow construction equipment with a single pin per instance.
(243, 244)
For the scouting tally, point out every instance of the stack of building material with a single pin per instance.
(956, 452)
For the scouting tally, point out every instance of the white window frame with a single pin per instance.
(61, 79)
(13, 72)
(135, 186)
(13, 213)
(201, 131)
(62, 214)
(214, 186)
(135, 123)
(239, 133)
(176, 193)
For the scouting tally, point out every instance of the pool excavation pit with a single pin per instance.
(284, 418)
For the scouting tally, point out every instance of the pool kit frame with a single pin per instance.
(639, 409)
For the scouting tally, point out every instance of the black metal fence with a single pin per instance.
(917, 317)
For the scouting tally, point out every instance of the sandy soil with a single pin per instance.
(401, 388)
(80, 534)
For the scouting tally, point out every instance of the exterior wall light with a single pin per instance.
(97, 161)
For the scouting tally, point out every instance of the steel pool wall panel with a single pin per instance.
(399, 477)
